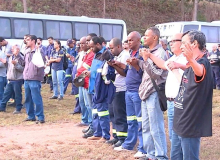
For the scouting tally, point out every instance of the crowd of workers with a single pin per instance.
(117, 84)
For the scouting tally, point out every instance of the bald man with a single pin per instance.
(172, 83)
(133, 101)
(117, 109)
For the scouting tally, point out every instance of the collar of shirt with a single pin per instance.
(102, 50)
(155, 48)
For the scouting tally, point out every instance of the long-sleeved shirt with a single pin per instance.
(15, 71)
(152, 71)
(2, 65)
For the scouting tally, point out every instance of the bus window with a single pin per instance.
(80, 30)
(52, 29)
(211, 33)
(190, 27)
(21, 28)
(5, 27)
(83, 29)
(110, 31)
(93, 28)
(36, 28)
(117, 30)
(66, 30)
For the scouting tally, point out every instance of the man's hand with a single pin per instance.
(14, 62)
(188, 52)
(145, 53)
(119, 64)
(173, 65)
(87, 73)
(3, 60)
(72, 58)
(133, 61)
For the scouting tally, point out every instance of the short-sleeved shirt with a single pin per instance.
(57, 65)
(193, 104)
(120, 83)
(172, 83)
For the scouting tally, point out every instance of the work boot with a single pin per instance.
(111, 142)
(88, 134)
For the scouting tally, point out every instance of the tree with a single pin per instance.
(182, 10)
(25, 6)
(195, 10)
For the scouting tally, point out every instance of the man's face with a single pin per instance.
(148, 38)
(25, 37)
(88, 38)
(133, 41)
(15, 50)
(3, 43)
(74, 42)
(29, 42)
(185, 41)
(175, 44)
(163, 45)
(95, 47)
(125, 46)
(50, 41)
(214, 48)
(71, 45)
(39, 42)
(83, 45)
(114, 49)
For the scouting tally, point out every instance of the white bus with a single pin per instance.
(13, 27)
(210, 29)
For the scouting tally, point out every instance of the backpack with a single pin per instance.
(65, 59)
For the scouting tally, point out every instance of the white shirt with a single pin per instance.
(119, 79)
(80, 60)
(172, 84)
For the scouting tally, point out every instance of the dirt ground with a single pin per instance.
(49, 141)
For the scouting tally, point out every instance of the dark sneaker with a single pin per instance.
(1, 110)
(85, 130)
(111, 142)
(40, 121)
(53, 97)
(88, 134)
(60, 98)
(17, 112)
(118, 144)
(27, 119)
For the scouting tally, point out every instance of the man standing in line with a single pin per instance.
(32, 83)
(49, 51)
(192, 112)
(154, 137)
(133, 102)
(70, 54)
(172, 84)
(117, 109)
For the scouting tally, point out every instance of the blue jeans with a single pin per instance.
(89, 98)
(184, 148)
(133, 110)
(154, 137)
(57, 77)
(3, 82)
(33, 99)
(13, 87)
(170, 114)
(83, 102)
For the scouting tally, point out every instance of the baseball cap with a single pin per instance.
(69, 41)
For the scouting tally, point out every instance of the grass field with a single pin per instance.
(57, 117)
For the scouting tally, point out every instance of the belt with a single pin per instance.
(170, 99)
